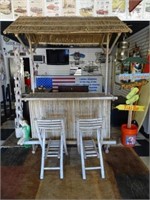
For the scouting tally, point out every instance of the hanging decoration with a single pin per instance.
(122, 51)
(77, 55)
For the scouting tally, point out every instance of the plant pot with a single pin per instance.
(128, 135)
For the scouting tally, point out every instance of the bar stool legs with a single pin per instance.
(61, 159)
(88, 148)
(82, 157)
(100, 155)
(54, 147)
(42, 158)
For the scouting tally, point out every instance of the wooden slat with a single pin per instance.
(71, 109)
(67, 96)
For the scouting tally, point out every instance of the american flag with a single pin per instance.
(62, 80)
(54, 81)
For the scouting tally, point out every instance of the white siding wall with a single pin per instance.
(142, 39)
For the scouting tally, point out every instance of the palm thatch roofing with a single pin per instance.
(67, 30)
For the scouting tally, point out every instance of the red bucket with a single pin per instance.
(128, 135)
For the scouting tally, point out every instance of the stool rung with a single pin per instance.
(50, 156)
(91, 155)
(51, 168)
(51, 152)
(90, 147)
(52, 149)
(90, 151)
(92, 168)
(54, 146)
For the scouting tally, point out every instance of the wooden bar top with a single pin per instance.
(67, 96)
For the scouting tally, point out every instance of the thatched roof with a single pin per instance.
(67, 30)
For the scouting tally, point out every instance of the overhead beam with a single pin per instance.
(19, 39)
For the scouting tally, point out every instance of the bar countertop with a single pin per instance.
(66, 96)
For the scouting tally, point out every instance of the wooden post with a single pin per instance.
(129, 118)
(31, 66)
(107, 60)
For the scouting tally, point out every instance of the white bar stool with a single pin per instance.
(54, 148)
(88, 148)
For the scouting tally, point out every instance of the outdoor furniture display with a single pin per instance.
(82, 31)
(51, 147)
(88, 147)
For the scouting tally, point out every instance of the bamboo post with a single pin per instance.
(31, 65)
(129, 118)
(106, 70)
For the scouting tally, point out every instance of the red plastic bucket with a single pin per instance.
(128, 135)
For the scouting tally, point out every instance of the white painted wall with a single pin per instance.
(45, 69)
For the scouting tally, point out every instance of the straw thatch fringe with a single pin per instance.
(68, 30)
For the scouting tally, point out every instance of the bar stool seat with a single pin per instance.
(90, 147)
(51, 147)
